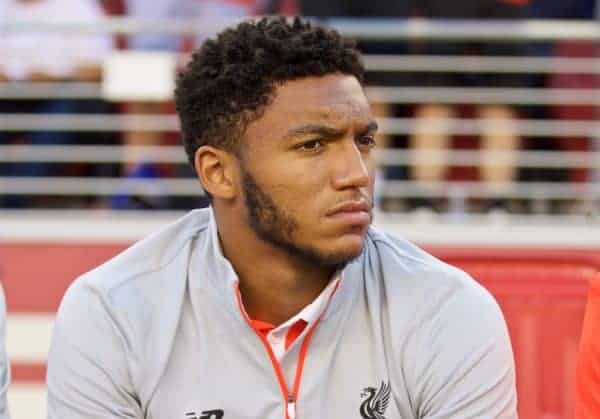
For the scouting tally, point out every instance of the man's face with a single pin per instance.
(308, 170)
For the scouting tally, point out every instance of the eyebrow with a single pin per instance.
(324, 131)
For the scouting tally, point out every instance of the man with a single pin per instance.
(280, 301)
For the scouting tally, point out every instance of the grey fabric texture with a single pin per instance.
(157, 333)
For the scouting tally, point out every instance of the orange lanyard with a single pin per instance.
(289, 397)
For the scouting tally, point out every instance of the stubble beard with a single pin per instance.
(274, 225)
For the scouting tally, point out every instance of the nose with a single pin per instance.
(351, 168)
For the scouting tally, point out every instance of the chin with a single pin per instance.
(330, 250)
(349, 248)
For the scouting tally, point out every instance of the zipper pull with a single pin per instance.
(291, 407)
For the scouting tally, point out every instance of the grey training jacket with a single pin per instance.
(157, 333)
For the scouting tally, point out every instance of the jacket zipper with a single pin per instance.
(291, 407)
(289, 397)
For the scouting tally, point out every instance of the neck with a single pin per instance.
(274, 285)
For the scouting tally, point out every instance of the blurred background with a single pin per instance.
(489, 152)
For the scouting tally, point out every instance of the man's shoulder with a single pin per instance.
(405, 257)
(134, 300)
(150, 261)
(409, 270)
(427, 294)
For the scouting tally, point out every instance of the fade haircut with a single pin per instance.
(232, 78)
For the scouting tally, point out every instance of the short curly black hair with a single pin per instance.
(231, 78)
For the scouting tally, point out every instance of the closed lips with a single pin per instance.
(354, 206)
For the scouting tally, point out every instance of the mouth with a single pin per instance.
(356, 212)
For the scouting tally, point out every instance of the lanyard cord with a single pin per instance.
(290, 398)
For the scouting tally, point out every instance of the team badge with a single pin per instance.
(375, 401)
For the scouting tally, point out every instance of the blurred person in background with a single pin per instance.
(281, 300)
(37, 55)
(498, 121)
(65, 56)
(211, 14)
(575, 10)
(561, 9)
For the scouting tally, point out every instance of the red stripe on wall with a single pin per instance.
(28, 373)
(35, 276)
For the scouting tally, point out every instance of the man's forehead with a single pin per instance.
(320, 92)
(336, 116)
(328, 99)
(338, 111)
(335, 100)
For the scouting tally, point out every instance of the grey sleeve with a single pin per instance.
(88, 375)
(4, 364)
(463, 360)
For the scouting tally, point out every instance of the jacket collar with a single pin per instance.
(211, 272)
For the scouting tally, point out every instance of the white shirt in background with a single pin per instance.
(55, 53)
(210, 11)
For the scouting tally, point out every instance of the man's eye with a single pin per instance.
(367, 141)
(312, 145)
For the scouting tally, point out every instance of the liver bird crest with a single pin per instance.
(375, 401)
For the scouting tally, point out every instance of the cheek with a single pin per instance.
(299, 201)
(292, 197)
(303, 184)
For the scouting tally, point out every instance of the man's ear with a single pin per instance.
(215, 169)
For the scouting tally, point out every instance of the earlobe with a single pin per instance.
(213, 167)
